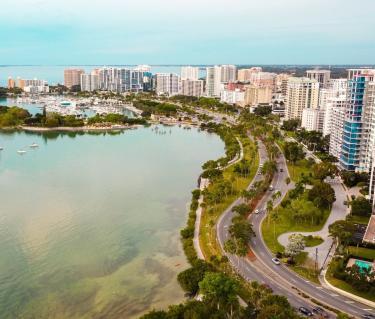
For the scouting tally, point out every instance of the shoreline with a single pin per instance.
(71, 129)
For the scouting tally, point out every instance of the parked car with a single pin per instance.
(368, 316)
(281, 170)
(276, 261)
(305, 311)
(271, 188)
(256, 211)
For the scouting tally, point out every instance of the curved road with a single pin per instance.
(280, 278)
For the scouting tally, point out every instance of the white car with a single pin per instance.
(276, 261)
(256, 211)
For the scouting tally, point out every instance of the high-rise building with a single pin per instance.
(367, 149)
(331, 98)
(120, 80)
(243, 75)
(33, 86)
(312, 119)
(192, 87)
(89, 82)
(336, 127)
(72, 77)
(322, 76)
(189, 73)
(255, 95)
(11, 83)
(263, 79)
(302, 93)
(352, 152)
(236, 96)
(228, 73)
(167, 84)
(213, 81)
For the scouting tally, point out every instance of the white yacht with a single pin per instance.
(34, 145)
(21, 152)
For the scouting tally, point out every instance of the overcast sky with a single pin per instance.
(187, 31)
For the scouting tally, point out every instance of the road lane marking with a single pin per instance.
(307, 281)
(334, 295)
(349, 301)
(367, 309)
(320, 287)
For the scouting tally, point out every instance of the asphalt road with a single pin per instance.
(279, 277)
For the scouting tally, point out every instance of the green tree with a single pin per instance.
(293, 152)
(322, 194)
(342, 231)
(361, 207)
(189, 279)
(220, 290)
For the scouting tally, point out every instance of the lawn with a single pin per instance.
(312, 241)
(362, 252)
(272, 230)
(302, 167)
(207, 236)
(345, 286)
(358, 219)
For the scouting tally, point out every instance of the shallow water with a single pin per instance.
(89, 223)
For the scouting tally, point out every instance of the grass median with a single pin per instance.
(211, 213)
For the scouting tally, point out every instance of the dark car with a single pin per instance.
(368, 316)
(305, 311)
(281, 170)
(321, 312)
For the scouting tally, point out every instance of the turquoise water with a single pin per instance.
(363, 264)
(89, 223)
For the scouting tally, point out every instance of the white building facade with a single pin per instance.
(167, 84)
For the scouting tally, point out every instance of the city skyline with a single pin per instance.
(132, 33)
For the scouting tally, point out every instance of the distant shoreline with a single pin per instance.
(71, 129)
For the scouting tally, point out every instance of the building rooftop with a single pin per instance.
(369, 236)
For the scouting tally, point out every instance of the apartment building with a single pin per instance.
(89, 82)
(302, 93)
(189, 73)
(255, 95)
(192, 87)
(322, 76)
(167, 84)
(72, 77)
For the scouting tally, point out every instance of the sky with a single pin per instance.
(104, 32)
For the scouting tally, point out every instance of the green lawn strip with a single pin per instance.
(362, 252)
(272, 230)
(207, 237)
(347, 287)
(297, 170)
(312, 241)
(358, 219)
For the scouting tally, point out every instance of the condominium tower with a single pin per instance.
(189, 73)
(72, 77)
(322, 76)
(353, 150)
(167, 84)
(301, 93)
